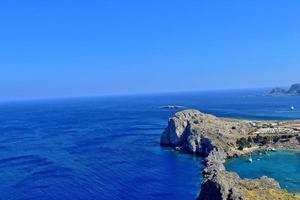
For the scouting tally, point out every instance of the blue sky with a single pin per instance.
(76, 48)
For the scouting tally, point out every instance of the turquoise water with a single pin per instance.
(284, 166)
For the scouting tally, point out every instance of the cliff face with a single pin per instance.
(293, 90)
(217, 139)
(181, 133)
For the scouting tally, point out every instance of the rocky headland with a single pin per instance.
(217, 139)
(293, 90)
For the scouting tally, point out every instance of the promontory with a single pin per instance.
(218, 139)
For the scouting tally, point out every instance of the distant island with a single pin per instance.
(293, 90)
(171, 107)
(218, 139)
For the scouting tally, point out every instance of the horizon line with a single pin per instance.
(61, 97)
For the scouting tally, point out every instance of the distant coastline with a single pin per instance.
(294, 90)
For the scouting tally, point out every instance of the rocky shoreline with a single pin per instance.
(217, 139)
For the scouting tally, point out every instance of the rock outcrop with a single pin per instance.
(219, 184)
(217, 139)
(180, 133)
(178, 129)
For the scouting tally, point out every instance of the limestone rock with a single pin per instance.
(180, 132)
(176, 133)
(222, 186)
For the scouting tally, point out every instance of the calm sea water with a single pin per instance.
(284, 166)
(108, 147)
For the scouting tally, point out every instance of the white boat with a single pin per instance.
(250, 159)
(273, 149)
(292, 108)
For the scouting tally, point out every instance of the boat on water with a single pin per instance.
(292, 108)
(273, 149)
(250, 160)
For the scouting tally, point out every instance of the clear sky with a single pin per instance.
(51, 48)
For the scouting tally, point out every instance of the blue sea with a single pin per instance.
(108, 147)
(283, 166)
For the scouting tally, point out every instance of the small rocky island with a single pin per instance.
(293, 90)
(217, 139)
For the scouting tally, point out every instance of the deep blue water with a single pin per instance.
(108, 147)
(284, 166)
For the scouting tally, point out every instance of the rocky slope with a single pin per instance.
(217, 139)
(293, 90)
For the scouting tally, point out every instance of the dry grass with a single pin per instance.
(270, 195)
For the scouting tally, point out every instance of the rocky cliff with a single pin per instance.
(217, 139)
(181, 134)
